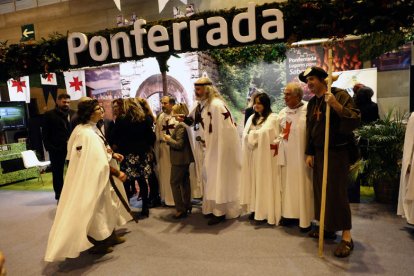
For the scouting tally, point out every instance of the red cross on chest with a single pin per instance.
(286, 131)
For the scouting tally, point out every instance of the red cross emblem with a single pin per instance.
(286, 131)
(76, 83)
(49, 77)
(274, 147)
(227, 115)
(19, 85)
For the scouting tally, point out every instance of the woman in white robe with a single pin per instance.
(88, 206)
(260, 182)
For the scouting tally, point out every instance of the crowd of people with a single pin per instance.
(273, 173)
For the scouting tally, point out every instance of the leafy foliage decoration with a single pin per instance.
(384, 25)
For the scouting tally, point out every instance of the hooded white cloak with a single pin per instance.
(260, 188)
(88, 205)
(222, 160)
(406, 193)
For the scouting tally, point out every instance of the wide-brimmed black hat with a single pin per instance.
(312, 71)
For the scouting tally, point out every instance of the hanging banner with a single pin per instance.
(75, 84)
(48, 79)
(19, 90)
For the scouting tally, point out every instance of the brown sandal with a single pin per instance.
(344, 249)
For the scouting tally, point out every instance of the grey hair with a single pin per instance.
(296, 88)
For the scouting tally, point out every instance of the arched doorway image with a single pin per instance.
(151, 89)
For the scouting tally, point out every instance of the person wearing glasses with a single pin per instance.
(89, 209)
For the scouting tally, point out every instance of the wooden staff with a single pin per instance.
(325, 158)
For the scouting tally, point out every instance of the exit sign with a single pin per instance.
(28, 32)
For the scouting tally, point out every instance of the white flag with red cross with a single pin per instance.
(19, 89)
(75, 84)
(48, 79)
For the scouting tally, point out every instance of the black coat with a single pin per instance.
(132, 137)
(56, 129)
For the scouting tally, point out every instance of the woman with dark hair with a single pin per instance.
(260, 174)
(134, 137)
(154, 199)
(88, 209)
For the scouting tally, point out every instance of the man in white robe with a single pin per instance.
(165, 125)
(406, 193)
(296, 177)
(221, 153)
(91, 210)
(260, 182)
(196, 168)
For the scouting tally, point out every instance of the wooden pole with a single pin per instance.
(325, 158)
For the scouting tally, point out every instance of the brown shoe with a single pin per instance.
(344, 249)
(180, 215)
(101, 249)
(114, 239)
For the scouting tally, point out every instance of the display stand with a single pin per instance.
(11, 164)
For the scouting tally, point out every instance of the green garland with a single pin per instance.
(384, 25)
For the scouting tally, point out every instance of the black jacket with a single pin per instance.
(56, 129)
(133, 137)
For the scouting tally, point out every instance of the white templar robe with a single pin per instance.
(406, 194)
(165, 125)
(221, 160)
(296, 177)
(260, 188)
(88, 205)
(196, 168)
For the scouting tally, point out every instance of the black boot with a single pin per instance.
(216, 220)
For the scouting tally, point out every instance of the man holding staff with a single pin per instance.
(344, 118)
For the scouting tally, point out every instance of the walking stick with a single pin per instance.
(325, 158)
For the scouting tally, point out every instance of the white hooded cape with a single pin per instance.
(88, 205)
(222, 162)
(406, 193)
(296, 178)
(260, 182)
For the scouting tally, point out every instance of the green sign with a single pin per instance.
(28, 32)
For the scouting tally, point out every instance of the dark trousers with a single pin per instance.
(180, 186)
(57, 162)
(143, 190)
(154, 193)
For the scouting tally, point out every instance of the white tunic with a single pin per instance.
(260, 188)
(196, 168)
(406, 193)
(88, 205)
(296, 177)
(165, 125)
(222, 161)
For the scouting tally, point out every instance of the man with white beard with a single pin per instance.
(222, 160)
